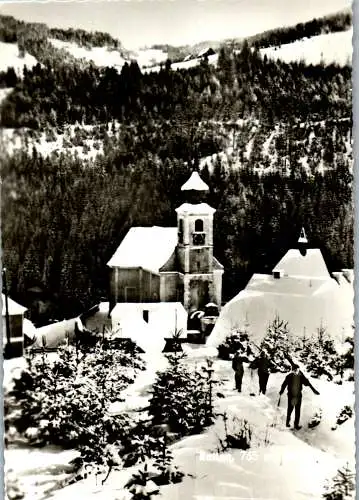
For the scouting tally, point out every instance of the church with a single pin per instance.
(171, 264)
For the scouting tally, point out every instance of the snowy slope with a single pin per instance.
(100, 56)
(9, 57)
(103, 56)
(329, 48)
(281, 464)
(184, 64)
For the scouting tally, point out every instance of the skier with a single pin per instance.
(263, 364)
(294, 382)
(237, 365)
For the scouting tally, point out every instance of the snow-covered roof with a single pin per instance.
(28, 328)
(204, 51)
(303, 237)
(14, 307)
(195, 209)
(55, 333)
(146, 247)
(311, 265)
(195, 183)
(163, 319)
(304, 303)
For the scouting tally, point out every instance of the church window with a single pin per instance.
(180, 231)
(198, 226)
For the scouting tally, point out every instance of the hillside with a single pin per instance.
(328, 48)
(89, 151)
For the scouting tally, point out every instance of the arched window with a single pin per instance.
(198, 226)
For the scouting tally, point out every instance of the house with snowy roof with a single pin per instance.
(12, 326)
(300, 291)
(170, 264)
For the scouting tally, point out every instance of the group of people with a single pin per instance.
(293, 382)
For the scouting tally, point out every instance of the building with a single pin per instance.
(170, 264)
(16, 326)
(149, 324)
(300, 291)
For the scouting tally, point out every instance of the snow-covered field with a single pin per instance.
(281, 464)
(329, 48)
(150, 57)
(100, 56)
(103, 56)
(9, 57)
(184, 64)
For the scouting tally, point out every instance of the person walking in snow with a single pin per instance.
(237, 365)
(294, 382)
(263, 365)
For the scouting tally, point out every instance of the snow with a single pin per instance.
(14, 308)
(146, 247)
(281, 464)
(329, 48)
(195, 183)
(9, 57)
(184, 64)
(195, 209)
(100, 56)
(55, 333)
(105, 56)
(150, 57)
(164, 319)
(305, 304)
(310, 265)
(4, 93)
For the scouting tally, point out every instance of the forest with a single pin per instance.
(341, 21)
(63, 216)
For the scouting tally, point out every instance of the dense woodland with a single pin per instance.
(329, 24)
(63, 217)
(243, 85)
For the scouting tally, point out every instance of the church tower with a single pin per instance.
(202, 273)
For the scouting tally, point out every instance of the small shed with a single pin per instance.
(16, 327)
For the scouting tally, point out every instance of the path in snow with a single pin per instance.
(281, 464)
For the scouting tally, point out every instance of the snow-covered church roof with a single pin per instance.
(310, 264)
(300, 291)
(195, 183)
(146, 247)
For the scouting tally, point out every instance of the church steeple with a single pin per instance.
(202, 283)
(195, 188)
(302, 242)
(303, 237)
(195, 183)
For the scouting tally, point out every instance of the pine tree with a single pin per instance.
(343, 485)
(278, 344)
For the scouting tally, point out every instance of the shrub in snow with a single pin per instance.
(167, 473)
(345, 414)
(348, 357)
(181, 398)
(320, 356)
(141, 485)
(316, 419)
(66, 401)
(238, 433)
(237, 340)
(12, 487)
(342, 486)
